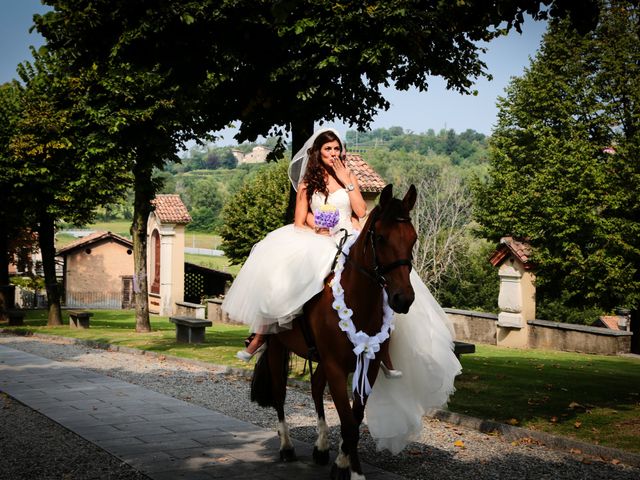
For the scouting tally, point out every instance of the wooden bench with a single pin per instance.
(79, 318)
(460, 348)
(190, 329)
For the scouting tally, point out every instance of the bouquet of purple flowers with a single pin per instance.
(326, 216)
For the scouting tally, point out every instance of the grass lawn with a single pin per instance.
(122, 227)
(117, 327)
(202, 240)
(217, 263)
(591, 398)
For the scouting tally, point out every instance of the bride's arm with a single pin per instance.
(358, 205)
(302, 208)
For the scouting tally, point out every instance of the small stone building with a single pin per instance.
(98, 271)
(165, 253)
(517, 297)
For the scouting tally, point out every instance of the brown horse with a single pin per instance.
(379, 259)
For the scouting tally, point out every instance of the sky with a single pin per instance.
(412, 110)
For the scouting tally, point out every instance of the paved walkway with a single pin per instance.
(160, 436)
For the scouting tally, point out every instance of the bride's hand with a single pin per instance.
(342, 172)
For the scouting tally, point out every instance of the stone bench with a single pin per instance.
(15, 318)
(461, 348)
(189, 329)
(188, 309)
(79, 318)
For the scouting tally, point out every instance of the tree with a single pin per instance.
(205, 204)
(64, 168)
(136, 105)
(259, 207)
(564, 169)
(175, 69)
(441, 217)
(475, 285)
(11, 200)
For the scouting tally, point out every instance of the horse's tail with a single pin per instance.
(262, 382)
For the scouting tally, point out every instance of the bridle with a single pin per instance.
(377, 271)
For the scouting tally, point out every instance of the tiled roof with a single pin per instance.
(510, 246)
(91, 239)
(170, 209)
(610, 321)
(368, 178)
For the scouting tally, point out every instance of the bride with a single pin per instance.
(288, 267)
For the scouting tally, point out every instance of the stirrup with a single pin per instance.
(390, 373)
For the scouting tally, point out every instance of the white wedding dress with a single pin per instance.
(289, 266)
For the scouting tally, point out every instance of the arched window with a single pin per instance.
(155, 262)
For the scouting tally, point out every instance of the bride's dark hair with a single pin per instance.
(315, 173)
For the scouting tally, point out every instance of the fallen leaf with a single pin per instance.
(577, 424)
(576, 406)
(414, 452)
(513, 421)
(553, 419)
(586, 461)
(575, 451)
(459, 443)
(615, 461)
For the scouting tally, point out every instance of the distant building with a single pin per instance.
(613, 322)
(98, 271)
(257, 155)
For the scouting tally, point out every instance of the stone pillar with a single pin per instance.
(167, 236)
(517, 303)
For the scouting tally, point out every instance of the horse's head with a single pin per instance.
(391, 236)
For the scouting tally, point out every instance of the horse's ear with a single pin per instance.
(409, 199)
(386, 195)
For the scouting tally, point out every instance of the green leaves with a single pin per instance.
(259, 207)
(552, 179)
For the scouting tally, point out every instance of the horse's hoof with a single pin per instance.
(288, 455)
(321, 457)
(340, 473)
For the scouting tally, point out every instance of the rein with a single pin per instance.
(365, 346)
(376, 274)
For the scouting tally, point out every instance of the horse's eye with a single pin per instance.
(379, 239)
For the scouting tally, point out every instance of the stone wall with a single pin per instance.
(578, 338)
(188, 309)
(473, 326)
(215, 313)
(479, 327)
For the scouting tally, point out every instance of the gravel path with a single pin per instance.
(443, 452)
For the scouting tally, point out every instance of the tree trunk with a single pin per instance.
(4, 256)
(144, 193)
(635, 330)
(6, 299)
(46, 240)
(300, 131)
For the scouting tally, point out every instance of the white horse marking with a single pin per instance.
(285, 438)
(322, 442)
